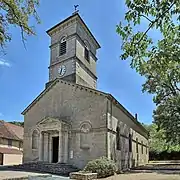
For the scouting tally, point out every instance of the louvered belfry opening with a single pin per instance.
(62, 47)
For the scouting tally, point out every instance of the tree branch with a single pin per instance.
(146, 17)
(22, 27)
(151, 24)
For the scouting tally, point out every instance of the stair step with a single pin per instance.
(54, 168)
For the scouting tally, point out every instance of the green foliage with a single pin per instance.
(158, 61)
(17, 13)
(158, 142)
(18, 123)
(102, 166)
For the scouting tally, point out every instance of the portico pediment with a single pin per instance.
(49, 120)
(52, 124)
(49, 123)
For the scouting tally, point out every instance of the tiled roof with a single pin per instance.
(9, 151)
(11, 131)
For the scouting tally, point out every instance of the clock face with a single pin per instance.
(62, 70)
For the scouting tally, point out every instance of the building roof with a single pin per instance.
(70, 17)
(107, 95)
(4, 150)
(11, 131)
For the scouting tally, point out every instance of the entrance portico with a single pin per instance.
(53, 140)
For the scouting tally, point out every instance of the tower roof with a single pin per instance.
(74, 15)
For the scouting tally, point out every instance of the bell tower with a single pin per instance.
(73, 52)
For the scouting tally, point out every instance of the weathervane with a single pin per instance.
(75, 8)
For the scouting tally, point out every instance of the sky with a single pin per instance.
(24, 72)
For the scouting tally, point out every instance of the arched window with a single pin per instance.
(118, 140)
(86, 52)
(85, 137)
(35, 137)
(62, 49)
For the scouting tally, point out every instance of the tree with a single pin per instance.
(158, 61)
(157, 140)
(18, 123)
(17, 13)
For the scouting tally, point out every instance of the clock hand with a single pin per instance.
(60, 71)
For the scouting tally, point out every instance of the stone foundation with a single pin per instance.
(83, 175)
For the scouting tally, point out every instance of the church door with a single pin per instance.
(55, 147)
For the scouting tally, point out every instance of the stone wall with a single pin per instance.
(82, 32)
(77, 105)
(77, 38)
(123, 157)
(83, 77)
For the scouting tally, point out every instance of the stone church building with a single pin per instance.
(71, 121)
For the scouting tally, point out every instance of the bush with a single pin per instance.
(103, 166)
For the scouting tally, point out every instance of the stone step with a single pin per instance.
(54, 168)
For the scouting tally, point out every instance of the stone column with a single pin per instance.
(40, 146)
(50, 148)
(46, 144)
(66, 146)
(60, 144)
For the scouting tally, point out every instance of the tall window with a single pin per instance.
(9, 142)
(86, 51)
(136, 145)
(118, 140)
(35, 136)
(62, 49)
(142, 147)
(86, 54)
(146, 148)
(130, 143)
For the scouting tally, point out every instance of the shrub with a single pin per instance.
(103, 166)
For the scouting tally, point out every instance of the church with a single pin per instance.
(71, 121)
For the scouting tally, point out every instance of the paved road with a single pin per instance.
(145, 176)
(5, 174)
(160, 175)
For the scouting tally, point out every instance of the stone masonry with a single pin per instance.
(70, 121)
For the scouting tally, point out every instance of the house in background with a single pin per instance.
(11, 143)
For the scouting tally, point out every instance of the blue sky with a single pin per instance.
(23, 73)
